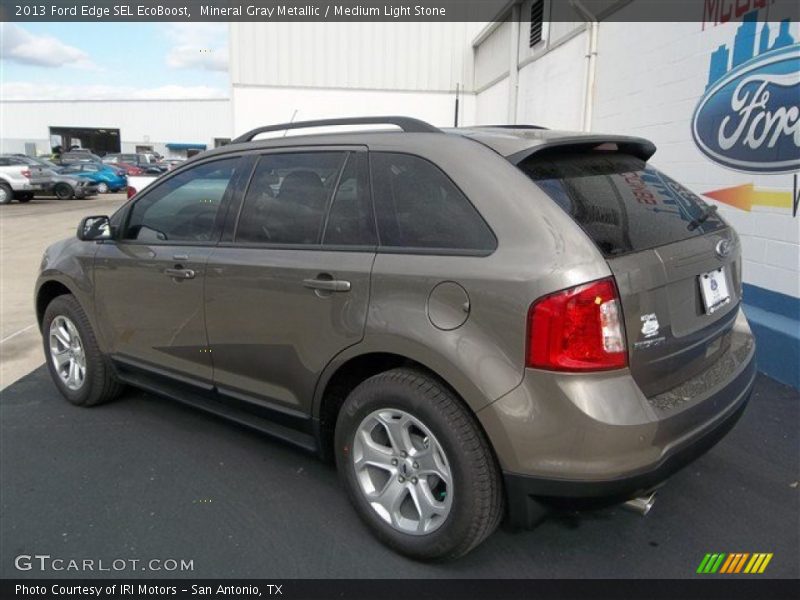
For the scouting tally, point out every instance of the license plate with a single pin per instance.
(714, 288)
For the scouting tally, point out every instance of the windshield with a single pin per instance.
(621, 202)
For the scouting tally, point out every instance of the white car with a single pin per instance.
(20, 180)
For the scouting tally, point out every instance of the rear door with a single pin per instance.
(288, 287)
(675, 261)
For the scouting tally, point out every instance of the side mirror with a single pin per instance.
(95, 229)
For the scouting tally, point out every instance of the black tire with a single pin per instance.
(6, 193)
(477, 500)
(100, 384)
(63, 191)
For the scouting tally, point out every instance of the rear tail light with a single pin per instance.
(26, 173)
(130, 191)
(579, 329)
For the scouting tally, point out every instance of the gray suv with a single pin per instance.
(470, 322)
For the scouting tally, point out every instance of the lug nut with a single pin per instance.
(394, 462)
(416, 465)
(403, 454)
(401, 479)
(414, 480)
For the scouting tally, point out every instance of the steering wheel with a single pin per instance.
(197, 226)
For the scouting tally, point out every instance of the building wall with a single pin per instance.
(491, 105)
(492, 56)
(653, 92)
(143, 122)
(360, 55)
(259, 105)
(351, 69)
(551, 87)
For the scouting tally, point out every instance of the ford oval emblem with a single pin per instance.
(723, 248)
(749, 119)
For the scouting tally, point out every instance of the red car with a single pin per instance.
(128, 168)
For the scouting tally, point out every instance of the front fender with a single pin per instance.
(70, 263)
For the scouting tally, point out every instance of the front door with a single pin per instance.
(149, 282)
(290, 289)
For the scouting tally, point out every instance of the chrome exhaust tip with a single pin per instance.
(642, 504)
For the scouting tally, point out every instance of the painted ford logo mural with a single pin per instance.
(749, 119)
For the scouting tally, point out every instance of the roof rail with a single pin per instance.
(508, 127)
(407, 124)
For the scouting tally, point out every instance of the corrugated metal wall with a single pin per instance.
(359, 55)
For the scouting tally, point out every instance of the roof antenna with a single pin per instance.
(294, 114)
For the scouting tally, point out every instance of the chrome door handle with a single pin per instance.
(327, 285)
(180, 273)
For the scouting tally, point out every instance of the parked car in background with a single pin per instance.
(62, 186)
(20, 179)
(126, 168)
(105, 177)
(65, 186)
(142, 160)
(67, 158)
(136, 183)
(173, 162)
(469, 321)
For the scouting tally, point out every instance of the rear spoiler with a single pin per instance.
(638, 147)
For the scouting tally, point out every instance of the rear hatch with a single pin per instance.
(676, 262)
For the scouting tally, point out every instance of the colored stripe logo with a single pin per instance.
(737, 562)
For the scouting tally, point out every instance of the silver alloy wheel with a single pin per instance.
(67, 352)
(403, 471)
(102, 188)
(4, 196)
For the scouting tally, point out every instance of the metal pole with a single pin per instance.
(455, 121)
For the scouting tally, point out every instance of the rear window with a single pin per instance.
(620, 201)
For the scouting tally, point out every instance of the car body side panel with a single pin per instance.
(271, 335)
(540, 250)
(70, 262)
(147, 316)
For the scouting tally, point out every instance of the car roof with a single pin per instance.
(514, 142)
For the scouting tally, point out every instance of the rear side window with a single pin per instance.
(620, 201)
(418, 207)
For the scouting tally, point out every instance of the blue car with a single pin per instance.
(106, 178)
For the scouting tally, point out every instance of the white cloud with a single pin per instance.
(21, 90)
(41, 50)
(198, 46)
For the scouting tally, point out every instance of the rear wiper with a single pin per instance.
(702, 218)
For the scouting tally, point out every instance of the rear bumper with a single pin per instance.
(521, 490)
(600, 438)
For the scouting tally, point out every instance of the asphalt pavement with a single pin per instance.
(145, 478)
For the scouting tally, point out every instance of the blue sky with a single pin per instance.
(113, 60)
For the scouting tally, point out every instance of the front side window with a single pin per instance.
(418, 207)
(288, 197)
(184, 207)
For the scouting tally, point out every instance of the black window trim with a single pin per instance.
(414, 250)
(218, 225)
